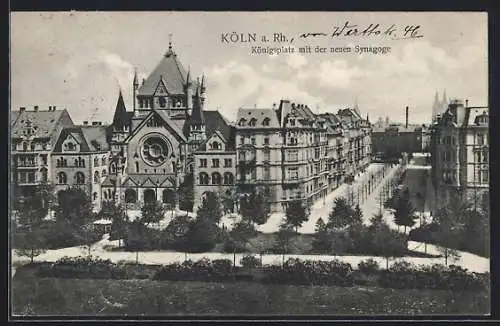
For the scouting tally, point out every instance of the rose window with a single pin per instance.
(155, 151)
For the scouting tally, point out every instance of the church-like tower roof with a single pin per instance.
(173, 73)
(121, 117)
(197, 116)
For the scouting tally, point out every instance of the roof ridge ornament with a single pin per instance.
(170, 49)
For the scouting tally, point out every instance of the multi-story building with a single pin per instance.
(393, 139)
(165, 138)
(81, 159)
(285, 152)
(291, 153)
(33, 136)
(460, 153)
(357, 140)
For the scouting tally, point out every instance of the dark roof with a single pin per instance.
(215, 121)
(122, 117)
(13, 117)
(90, 138)
(259, 115)
(197, 116)
(171, 71)
(43, 122)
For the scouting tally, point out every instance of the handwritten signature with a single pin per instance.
(353, 30)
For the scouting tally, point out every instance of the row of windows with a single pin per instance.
(79, 178)
(253, 122)
(216, 178)
(216, 163)
(244, 140)
(79, 162)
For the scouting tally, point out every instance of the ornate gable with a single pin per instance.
(161, 89)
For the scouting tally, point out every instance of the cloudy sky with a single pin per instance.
(80, 60)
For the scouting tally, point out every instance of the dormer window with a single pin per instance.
(266, 121)
(163, 101)
(292, 122)
(252, 122)
(71, 146)
(215, 145)
(242, 122)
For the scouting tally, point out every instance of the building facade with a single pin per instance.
(286, 152)
(33, 136)
(460, 153)
(81, 159)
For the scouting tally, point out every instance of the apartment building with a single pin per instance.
(460, 153)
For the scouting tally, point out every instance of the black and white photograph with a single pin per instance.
(189, 163)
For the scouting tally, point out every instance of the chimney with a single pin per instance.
(35, 108)
(95, 123)
(406, 117)
(85, 123)
(22, 109)
(466, 103)
(53, 108)
(143, 81)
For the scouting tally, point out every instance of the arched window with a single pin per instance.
(215, 145)
(94, 196)
(62, 178)
(32, 147)
(25, 146)
(104, 161)
(130, 196)
(76, 162)
(79, 178)
(216, 178)
(136, 167)
(242, 122)
(113, 168)
(81, 162)
(104, 173)
(228, 178)
(96, 161)
(203, 178)
(252, 122)
(266, 121)
(96, 177)
(105, 195)
(168, 196)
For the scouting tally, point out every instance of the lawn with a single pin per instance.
(70, 297)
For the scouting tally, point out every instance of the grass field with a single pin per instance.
(53, 296)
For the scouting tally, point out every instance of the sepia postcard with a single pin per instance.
(249, 164)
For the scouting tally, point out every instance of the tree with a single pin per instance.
(342, 215)
(296, 214)
(384, 241)
(239, 236)
(152, 212)
(448, 234)
(74, 206)
(283, 237)
(404, 212)
(254, 207)
(186, 194)
(176, 230)
(357, 217)
(210, 208)
(115, 213)
(202, 235)
(321, 241)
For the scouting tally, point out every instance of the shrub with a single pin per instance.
(368, 266)
(250, 261)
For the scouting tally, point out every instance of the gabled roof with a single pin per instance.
(173, 73)
(110, 181)
(214, 121)
(174, 126)
(43, 123)
(13, 117)
(90, 138)
(146, 180)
